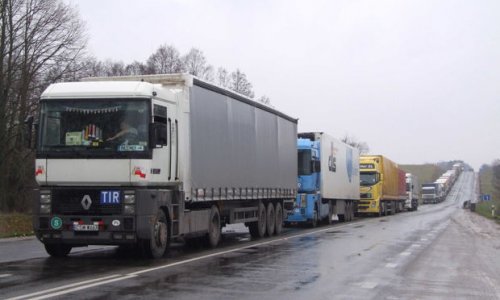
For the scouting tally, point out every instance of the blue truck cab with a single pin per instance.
(308, 207)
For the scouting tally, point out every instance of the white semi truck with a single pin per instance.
(142, 160)
(412, 192)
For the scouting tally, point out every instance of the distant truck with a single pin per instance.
(198, 157)
(381, 191)
(328, 180)
(431, 193)
(412, 192)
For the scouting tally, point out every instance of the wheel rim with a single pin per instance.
(160, 234)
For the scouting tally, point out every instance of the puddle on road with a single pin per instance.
(336, 231)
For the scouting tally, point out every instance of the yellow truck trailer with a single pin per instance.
(382, 186)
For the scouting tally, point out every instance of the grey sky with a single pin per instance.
(418, 80)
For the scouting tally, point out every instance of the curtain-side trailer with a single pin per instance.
(141, 160)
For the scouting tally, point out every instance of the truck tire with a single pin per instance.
(157, 245)
(258, 228)
(278, 226)
(214, 228)
(330, 213)
(270, 219)
(57, 250)
(314, 221)
(348, 211)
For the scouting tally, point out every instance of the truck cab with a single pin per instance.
(370, 190)
(308, 205)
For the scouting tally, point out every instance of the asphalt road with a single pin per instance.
(439, 252)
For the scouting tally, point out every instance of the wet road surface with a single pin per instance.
(438, 252)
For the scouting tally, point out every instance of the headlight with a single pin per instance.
(129, 199)
(45, 202)
(45, 198)
(373, 204)
(129, 209)
(45, 208)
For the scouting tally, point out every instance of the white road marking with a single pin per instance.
(64, 287)
(406, 253)
(77, 286)
(5, 275)
(415, 245)
(368, 285)
(424, 239)
(391, 265)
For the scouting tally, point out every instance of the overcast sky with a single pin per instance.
(418, 80)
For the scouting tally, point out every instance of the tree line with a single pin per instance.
(44, 41)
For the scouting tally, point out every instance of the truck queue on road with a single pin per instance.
(144, 160)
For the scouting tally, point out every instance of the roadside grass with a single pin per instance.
(486, 187)
(15, 225)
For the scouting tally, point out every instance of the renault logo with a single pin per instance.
(86, 202)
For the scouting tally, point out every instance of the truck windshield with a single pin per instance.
(304, 160)
(428, 191)
(367, 179)
(92, 127)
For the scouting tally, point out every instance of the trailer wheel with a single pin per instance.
(156, 246)
(348, 211)
(57, 250)
(258, 229)
(270, 219)
(214, 228)
(330, 213)
(278, 226)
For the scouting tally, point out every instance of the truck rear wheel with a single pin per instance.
(214, 228)
(278, 226)
(258, 228)
(330, 214)
(57, 250)
(270, 219)
(156, 246)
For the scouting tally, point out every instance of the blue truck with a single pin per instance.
(328, 180)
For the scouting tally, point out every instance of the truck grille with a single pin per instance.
(69, 202)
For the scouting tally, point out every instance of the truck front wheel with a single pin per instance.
(156, 246)
(57, 250)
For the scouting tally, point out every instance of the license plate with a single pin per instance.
(85, 227)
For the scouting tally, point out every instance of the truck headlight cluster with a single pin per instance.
(129, 203)
(373, 204)
(45, 202)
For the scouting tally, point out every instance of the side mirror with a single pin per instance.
(316, 166)
(28, 130)
(158, 135)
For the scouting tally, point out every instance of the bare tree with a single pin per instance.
(264, 99)
(222, 78)
(352, 141)
(165, 60)
(136, 68)
(195, 63)
(239, 83)
(39, 39)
